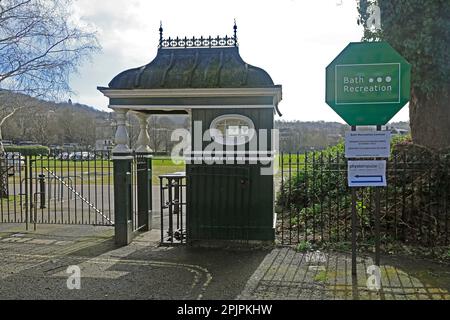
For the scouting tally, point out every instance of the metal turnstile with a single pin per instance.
(173, 208)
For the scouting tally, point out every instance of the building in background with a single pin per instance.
(104, 145)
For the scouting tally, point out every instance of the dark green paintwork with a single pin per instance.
(123, 225)
(194, 68)
(144, 190)
(230, 202)
(223, 201)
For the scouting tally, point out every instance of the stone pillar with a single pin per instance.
(121, 138)
(122, 159)
(143, 141)
(144, 175)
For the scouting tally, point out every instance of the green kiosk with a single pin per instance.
(230, 156)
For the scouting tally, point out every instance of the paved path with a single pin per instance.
(33, 266)
(286, 274)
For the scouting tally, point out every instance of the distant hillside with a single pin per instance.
(316, 135)
(400, 125)
(48, 123)
(51, 123)
(303, 136)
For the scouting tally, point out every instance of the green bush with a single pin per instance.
(413, 207)
(29, 150)
(322, 175)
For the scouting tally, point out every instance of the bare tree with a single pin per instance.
(42, 123)
(40, 46)
(10, 105)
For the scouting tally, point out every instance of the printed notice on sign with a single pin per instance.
(367, 173)
(370, 144)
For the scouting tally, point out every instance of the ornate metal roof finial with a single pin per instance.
(160, 34)
(208, 42)
(235, 33)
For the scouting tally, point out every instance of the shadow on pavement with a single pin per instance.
(287, 274)
(37, 269)
(33, 265)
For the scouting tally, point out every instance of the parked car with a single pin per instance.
(15, 162)
(81, 155)
(77, 156)
(103, 155)
(65, 156)
(59, 156)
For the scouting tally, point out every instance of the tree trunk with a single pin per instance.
(3, 177)
(3, 170)
(430, 119)
(4, 193)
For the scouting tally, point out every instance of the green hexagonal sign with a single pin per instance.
(368, 83)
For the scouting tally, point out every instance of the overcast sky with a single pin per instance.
(293, 40)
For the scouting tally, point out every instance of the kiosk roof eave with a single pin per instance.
(275, 91)
(174, 101)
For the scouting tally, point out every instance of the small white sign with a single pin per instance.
(367, 173)
(370, 144)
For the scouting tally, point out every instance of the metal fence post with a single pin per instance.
(41, 179)
(354, 224)
(377, 221)
(144, 190)
(123, 223)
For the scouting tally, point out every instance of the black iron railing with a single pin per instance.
(173, 208)
(209, 42)
(195, 42)
(65, 187)
(314, 201)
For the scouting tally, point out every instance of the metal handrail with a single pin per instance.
(77, 194)
(174, 204)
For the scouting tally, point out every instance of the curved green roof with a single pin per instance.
(179, 68)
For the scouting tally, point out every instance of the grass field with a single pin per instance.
(92, 171)
(101, 171)
(162, 166)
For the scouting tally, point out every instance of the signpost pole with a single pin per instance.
(354, 222)
(377, 221)
(367, 84)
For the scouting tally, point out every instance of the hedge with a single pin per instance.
(28, 150)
